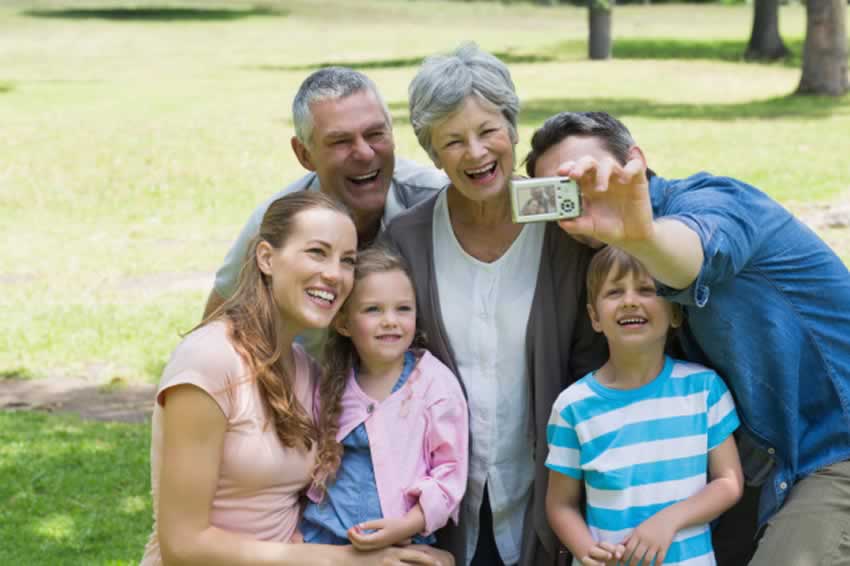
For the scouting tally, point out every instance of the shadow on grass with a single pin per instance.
(535, 111)
(400, 62)
(157, 13)
(6, 87)
(712, 50)
(16, 373)
(731, 51)
(72, 492)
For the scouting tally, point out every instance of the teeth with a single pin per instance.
(366, 177)
(319, 294)
(631, 321)
(480, 170)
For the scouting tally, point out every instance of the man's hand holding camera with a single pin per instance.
(615, 198)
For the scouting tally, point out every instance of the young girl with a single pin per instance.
(639, 435)
(398, 469)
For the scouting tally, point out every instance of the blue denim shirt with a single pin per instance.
(770, 311)
(353, 496)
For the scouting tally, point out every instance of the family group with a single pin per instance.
(390, 370)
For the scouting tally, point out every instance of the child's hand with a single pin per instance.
(385, 532)
(649, 541)
(603, 554)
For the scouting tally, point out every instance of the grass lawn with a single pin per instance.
(72, 492)
(134, 141)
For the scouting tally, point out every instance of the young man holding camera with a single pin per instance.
(767, 305)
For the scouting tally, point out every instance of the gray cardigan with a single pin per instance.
(560, 342)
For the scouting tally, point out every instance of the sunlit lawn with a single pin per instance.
(133, 144)
(72, 492)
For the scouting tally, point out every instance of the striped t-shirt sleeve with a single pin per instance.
(722, 416)
(564, 454)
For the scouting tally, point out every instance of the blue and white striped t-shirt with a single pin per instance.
(640, 450)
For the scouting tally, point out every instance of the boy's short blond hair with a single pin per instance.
(607, 260)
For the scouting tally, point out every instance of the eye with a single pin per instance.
(378, 135)
(371, 309)
(648, 290)
(405, 308)
(488, 131)
(349, 262)
(615, 292)
(451, 143)
(319, 252)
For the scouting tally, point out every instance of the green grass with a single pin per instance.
(72, 492)
(135, 137)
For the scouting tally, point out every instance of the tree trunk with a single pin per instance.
(825, 49)
(599, 43)
(765, 41)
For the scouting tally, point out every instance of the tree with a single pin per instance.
(599, 16)
(825, 49)
(765, 41)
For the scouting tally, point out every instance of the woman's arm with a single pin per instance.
(193, 436)
(652, 538)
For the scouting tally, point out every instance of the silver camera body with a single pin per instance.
(545, 198)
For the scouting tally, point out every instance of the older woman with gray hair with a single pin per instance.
(502, 304)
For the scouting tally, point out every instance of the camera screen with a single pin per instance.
(536, 200)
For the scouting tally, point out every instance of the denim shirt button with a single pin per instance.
(772, 451)
(370, 408)
(783, 486)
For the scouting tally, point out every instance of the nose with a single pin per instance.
(475, 148)
(630, 298)
(389, 318)
(332, 271)
(362, 149)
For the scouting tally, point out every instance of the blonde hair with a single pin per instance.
(610, 260)
(340, 356)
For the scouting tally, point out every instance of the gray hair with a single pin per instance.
(324, 84)
(445, 81)
(614, 135)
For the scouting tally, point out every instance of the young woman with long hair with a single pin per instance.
(235, 427)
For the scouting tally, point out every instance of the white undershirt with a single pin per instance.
(485, 309)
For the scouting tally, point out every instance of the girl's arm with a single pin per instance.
(193, 431)
(387, 532)
(563, 509)
(652, 538)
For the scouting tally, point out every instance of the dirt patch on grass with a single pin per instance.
(111, 401)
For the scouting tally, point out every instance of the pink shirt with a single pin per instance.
(419, 439)
(259, 479)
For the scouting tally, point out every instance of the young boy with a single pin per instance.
(639, 435)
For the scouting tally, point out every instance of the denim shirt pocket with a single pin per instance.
(756, 462)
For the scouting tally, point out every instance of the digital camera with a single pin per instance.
(545, 198)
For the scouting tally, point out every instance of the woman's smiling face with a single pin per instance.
(474, 146)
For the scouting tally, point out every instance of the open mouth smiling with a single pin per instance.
(632, 321)
(365, 179)
(481, 172)
(322, 296)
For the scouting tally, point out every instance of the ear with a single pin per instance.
(594, 319)
(635, 152)
(302, 153)
(264, 257)
(340, 324)
(677, 316)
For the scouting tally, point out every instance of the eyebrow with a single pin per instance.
(336, 134)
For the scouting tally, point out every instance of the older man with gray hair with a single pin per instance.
(343, 136)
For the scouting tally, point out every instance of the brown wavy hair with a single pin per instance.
(255, 325)
(340, 356)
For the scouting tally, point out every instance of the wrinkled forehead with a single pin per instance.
(356, 112)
